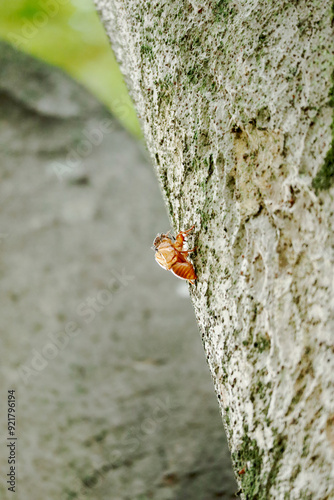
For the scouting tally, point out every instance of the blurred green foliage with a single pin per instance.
(68, 34)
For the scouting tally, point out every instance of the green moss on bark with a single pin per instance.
(248, 462)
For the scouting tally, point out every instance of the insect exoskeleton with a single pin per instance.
(170, 255)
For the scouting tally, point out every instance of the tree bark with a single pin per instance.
(235, 102)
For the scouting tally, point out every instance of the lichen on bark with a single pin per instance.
(234, 102)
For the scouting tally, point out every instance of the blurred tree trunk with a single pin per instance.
(236, 103)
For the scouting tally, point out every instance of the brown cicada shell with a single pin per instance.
(170, 255)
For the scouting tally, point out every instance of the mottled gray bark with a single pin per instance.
(234, 99)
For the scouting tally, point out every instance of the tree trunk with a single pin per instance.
(236, 107)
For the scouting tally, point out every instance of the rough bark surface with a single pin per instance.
(236, 107)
